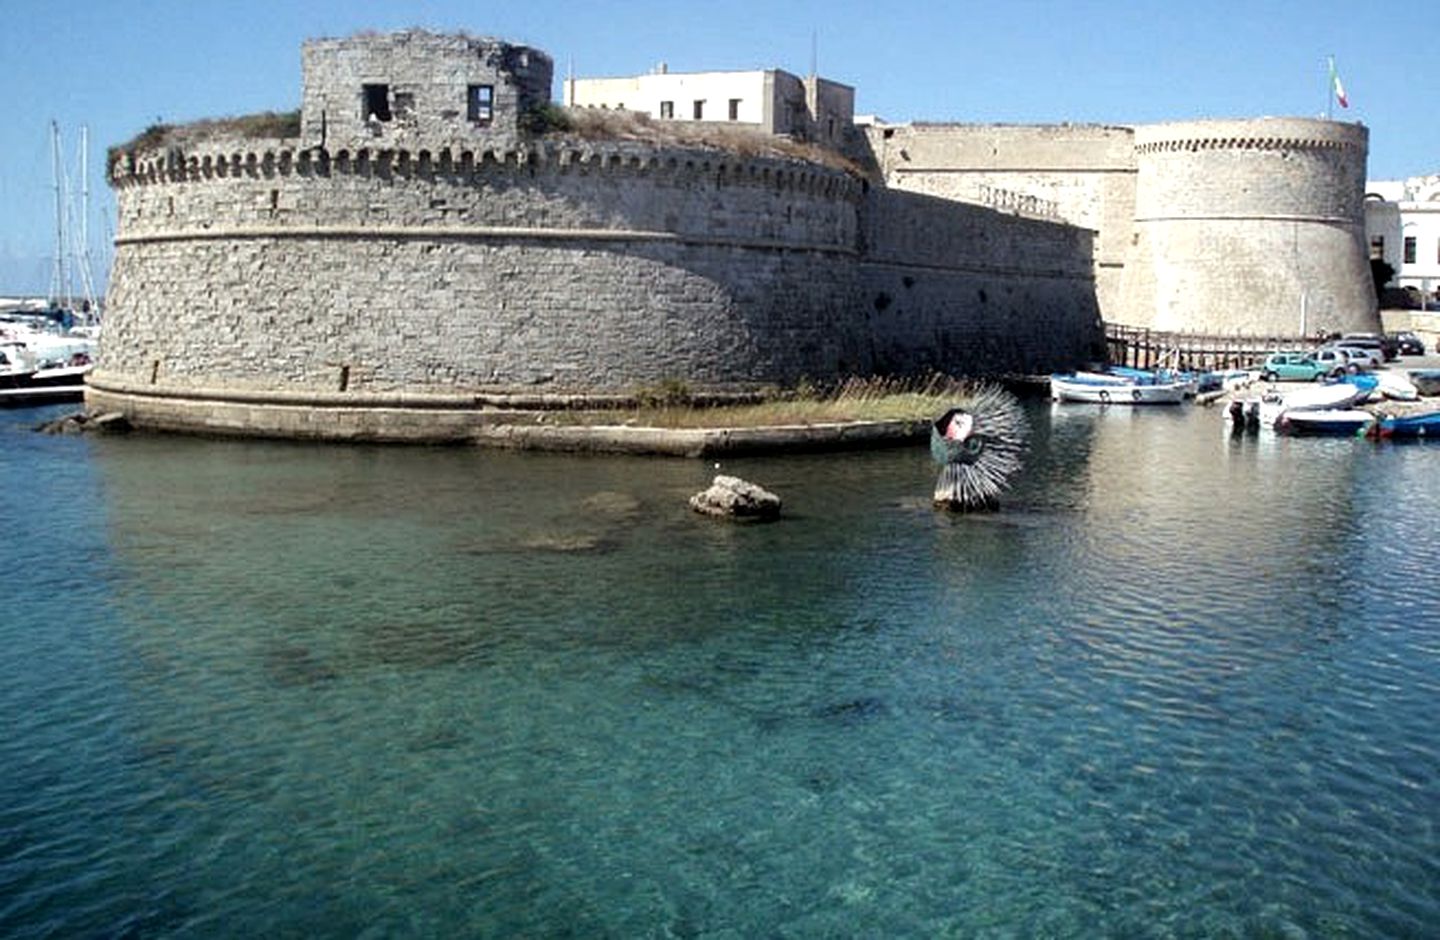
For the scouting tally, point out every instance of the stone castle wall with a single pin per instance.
(1203, 227)
(575, 269)
(1082, 175)
(960, 288)
(1252, 227)
(418, 257)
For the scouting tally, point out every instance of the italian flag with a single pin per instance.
(1339, 88)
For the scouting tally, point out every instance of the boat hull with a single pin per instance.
(1113, 393)
(1411, 426)
(1332, 421)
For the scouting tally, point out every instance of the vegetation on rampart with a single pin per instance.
(548, 122)
(599, 124)
(160, 136)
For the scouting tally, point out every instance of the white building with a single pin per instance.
(1402, 223)
(771, 99)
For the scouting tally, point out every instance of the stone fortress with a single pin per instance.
(424, 257)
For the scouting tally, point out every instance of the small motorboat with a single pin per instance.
(1335, 421)
(1408, 426)
(1426, 381)
(1275, 405)
(1397, 386)
(1103, 389)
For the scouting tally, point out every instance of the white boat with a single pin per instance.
(1396, 386)
(1274, 405)
(1109, 390)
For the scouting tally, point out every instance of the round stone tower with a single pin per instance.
(1249, 227)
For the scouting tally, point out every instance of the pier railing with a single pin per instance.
(1150, 349)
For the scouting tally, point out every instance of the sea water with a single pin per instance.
(1180, 684)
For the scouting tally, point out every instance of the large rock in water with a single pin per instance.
(732, 496)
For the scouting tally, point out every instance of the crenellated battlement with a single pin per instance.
(455, 165)
(1193, 145)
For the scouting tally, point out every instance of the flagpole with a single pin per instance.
(1330, 88)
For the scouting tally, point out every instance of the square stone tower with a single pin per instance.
(417, 90)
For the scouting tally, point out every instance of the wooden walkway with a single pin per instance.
(1149, 349)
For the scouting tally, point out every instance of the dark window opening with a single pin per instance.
(699, 109)
(667, 109)
(377, 102)
(734, 109)
(1409, 256)
(480, 103)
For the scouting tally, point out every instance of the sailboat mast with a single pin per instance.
(58, 277)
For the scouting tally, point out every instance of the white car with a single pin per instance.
(1335, 361)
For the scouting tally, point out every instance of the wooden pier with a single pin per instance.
(1143, 348)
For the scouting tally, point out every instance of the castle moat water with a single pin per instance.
(1181, 684)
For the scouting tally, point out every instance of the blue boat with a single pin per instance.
(1421, 425)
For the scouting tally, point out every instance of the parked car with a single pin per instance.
(1336, 361)
(1387, 349)
(1408, 343)
(1360, 359)
(1293, 367)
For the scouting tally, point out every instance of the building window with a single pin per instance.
(667, 109)
(480, 103)
(699, 109)
(734, 109)
(1409, 256)
(1377, 247)
(377, 102)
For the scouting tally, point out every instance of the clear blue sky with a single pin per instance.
(119, 67)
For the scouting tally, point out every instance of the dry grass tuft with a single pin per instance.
(598, 124)
(854, 399)
(159, 136)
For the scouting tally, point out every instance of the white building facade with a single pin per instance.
(772, 100)
(1402, 226)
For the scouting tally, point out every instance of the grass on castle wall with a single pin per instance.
(668, 406)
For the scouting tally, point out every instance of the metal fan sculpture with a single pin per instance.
(978, 445)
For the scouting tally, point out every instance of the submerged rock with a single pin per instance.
(736, 498)
(81, 422)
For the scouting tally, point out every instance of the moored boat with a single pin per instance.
(1406, 426)
(1107, 390)
(1397, 386)
(1341, 421)
(1275, 405)
(1426, 381)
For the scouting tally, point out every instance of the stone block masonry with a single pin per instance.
(419, 247)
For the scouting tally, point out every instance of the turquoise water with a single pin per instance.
(1183, 684)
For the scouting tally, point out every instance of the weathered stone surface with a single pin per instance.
(737, 498)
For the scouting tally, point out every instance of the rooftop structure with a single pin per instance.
(773, 100)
